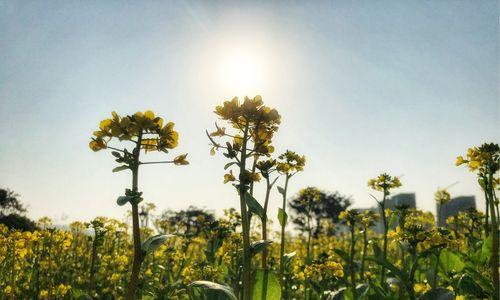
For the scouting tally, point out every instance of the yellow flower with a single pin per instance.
(219, 131)
(460, 160)
(421, 287)
(290, 163)
(7, 290)
(229, 177)
(97, 144)
(181, 160)
(255, 176)
(156, 137)
(384, 183)
(442, 196)
(44, 293)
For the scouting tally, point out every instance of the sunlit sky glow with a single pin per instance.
(363, 88)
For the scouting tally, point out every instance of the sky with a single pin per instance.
(363, 87)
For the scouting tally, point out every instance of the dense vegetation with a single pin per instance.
(335, 254)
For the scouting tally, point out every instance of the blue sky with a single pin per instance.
(363, 87)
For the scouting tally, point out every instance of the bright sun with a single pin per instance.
(241, 73)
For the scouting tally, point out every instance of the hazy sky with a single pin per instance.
(363, 87)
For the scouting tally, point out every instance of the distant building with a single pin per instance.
(403, 199)
(456, 205)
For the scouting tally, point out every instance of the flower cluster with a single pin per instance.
(485, 159)
(250, 111)
(350, 217)
(442, 196)
(290, 163)
(329, 268)
(144, 127)
(384, 183)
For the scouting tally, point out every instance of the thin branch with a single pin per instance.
(116, 149)
(156, 162)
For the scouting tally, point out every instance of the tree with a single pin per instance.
(188, 222)
(328, 207)
(12, 212)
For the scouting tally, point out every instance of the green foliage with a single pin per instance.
(259, 246)
(215, 287)
(266, 286)
(254, 206)
(282, 216)
(438, 294)
(450, 262)
(154, 242)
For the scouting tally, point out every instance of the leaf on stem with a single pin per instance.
(212, 286)
(253, 205)
(154, 242)
(120, 168)
(282, 217)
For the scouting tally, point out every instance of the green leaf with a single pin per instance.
(282, 217)
(266, 286)
(288, 256)
(450, 261)
(391, 221)
(259, 246)
(361, 290)
(254, 206)
(379, 259)
(487, 248)
(337, 295)
(122, 200)
(155, 242)
(342, 254)
(281, 190)
(120, 168)
(228, 165)
(467, 286)
(212, 286)
(438, 294)
(78, 294)
(485, 283)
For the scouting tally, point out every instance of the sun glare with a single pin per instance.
(241, 73)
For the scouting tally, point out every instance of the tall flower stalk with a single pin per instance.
(485, 161)
(144, 131)
(254, 125)
(384, 183)
(351, 218)
(266, 168)
(289, 164)
(367, 220)
(442, 197)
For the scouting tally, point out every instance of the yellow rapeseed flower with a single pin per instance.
(181, 160)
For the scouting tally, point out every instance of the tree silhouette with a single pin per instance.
(12, 212)
(327, 208)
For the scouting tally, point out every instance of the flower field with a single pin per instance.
(240, 255)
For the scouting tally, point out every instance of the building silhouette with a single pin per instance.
(452, 208)
(399, 200)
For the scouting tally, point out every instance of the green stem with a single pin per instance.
(282, 245)
(136, 233)
(386, 229)
(246, 276)
(363, 257)
(494, 233)
(264, 223)
(436, 267)
(351, 263)
(92, 264)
